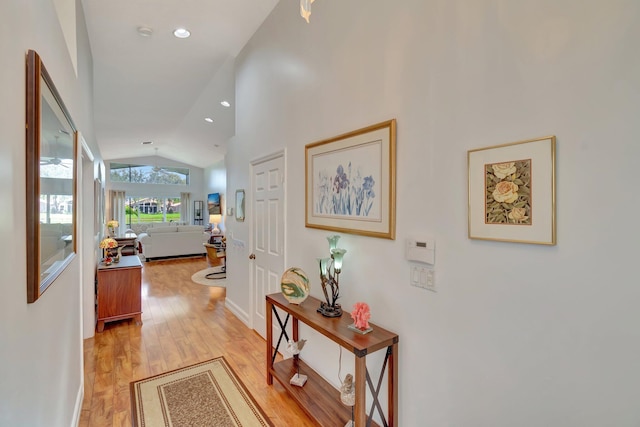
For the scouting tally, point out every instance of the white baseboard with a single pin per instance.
(237, 311)
(78, 408)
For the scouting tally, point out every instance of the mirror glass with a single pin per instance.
(51, 181)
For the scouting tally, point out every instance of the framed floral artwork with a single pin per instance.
(512, 194)
(351, 183)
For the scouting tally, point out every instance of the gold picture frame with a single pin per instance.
(512, 196)
(351, 182)
(51, 180)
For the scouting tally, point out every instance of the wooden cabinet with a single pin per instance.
(319, 399)
(119, 291)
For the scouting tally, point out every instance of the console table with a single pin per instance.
(119, 291)
(319, 399)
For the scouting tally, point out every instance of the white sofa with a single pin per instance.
(173, 241)
(142, 227)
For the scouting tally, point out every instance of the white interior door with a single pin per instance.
(267, 251)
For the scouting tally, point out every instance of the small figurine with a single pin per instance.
(347, 391)
(348, 396)
(293, 349)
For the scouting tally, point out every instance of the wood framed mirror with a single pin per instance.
(51, 180)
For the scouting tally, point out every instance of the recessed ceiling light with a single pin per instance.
(208, 119)
(145, 31)
(181, 33)
(147, 142)
(225, 104)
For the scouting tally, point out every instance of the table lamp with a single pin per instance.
(330, 269)
(214, 220)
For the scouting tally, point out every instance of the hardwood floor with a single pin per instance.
(183, 323)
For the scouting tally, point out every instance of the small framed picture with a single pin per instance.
(240, 205)
(512, 195)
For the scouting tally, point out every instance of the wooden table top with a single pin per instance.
(127, 261)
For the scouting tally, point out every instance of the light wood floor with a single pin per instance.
(184, 323)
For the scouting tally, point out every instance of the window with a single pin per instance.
(152, 209)
(56, 195)
(147, 174)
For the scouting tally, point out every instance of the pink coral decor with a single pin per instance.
(361, 315)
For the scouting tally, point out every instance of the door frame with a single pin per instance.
(252, 164)
(87, 243)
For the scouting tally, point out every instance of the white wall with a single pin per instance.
(517, 334)
(41, 343)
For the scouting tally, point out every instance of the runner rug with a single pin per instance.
(207, 394)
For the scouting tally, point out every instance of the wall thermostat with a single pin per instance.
(421, 250)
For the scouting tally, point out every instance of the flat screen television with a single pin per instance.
(213, 204)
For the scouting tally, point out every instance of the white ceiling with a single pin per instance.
(160, 88)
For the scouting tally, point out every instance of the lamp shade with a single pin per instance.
(337, 258)
(333, 241)
(323, 263)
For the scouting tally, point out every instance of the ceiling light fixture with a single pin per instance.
(225, 104)
(181, 33)
(147, 142)
(145, 31)
(305, 9)
(208, 119)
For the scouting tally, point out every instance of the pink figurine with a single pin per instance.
(361, 315)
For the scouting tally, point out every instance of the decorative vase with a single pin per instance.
(119, 255)
(295, 285)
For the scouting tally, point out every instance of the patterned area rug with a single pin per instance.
(212, 276)
(207, 394)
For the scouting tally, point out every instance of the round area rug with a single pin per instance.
(215, 272)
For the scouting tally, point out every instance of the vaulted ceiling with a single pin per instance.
(161, 88)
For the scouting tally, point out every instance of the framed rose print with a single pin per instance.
(512, 192)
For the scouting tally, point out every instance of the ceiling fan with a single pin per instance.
(156, 168)
(55, 160)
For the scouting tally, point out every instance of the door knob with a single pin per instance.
(252, 256)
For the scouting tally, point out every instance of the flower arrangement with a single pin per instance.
(105, 245)
(111, 226)
(108, 243)
(361, 315)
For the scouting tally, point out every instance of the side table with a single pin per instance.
(119, 291)
(317, 398)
